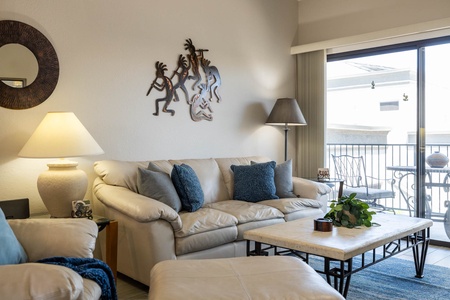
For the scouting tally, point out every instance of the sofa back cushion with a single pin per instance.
(215, 175)
(119, 173)
(227, 174)
(210, 178)
(188, 187)
(254, 182)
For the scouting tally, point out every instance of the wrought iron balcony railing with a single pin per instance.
(379, 157)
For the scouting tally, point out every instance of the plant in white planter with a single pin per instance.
(350, 212)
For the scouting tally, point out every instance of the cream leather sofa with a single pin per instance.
(151, 231)
(42, 238)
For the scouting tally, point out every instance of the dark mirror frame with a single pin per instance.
(15, 32)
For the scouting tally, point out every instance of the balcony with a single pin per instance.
(379, 157)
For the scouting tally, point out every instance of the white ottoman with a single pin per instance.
(256, 277)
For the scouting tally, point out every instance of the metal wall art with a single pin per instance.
(194, 67)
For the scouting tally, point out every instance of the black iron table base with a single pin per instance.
(338, 273)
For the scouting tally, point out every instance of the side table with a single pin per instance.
(112, 230)
(331, 181)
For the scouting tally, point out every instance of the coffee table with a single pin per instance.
(396, 234)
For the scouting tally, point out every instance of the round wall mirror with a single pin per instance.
(18, 66)
(15, 92)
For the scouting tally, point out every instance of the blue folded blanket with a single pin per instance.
(90, 268)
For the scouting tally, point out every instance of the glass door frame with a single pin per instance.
(420, 147)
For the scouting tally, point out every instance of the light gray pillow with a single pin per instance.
(11, 251)
(159, 186)
(283, 179)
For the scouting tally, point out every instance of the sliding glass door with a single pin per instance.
(392, 107)
(437, 137)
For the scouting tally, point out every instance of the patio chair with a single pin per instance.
(352, 170)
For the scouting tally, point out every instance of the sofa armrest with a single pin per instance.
(39, 281)
(43, 238)
(309, 189)
(138, 207)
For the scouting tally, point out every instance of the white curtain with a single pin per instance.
(311, 97)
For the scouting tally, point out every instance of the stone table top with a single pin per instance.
(341, 243)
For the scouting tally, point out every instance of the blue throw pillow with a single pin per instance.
(283, 179)
(11, 251)
(254, 183)
(188, 187)
(158, 186)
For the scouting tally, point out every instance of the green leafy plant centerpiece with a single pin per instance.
(350, 212)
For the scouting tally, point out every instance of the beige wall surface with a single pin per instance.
(321, 20)
(107, 51)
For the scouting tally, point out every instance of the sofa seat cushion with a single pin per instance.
(305, 213)
(246, 212)
(204, 220)
(249, 215)
(205, 240)
(203, 229)
(290, 205)
(40, 281)
(241, 228)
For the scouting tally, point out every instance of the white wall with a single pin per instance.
(107, 50)
(321, 20)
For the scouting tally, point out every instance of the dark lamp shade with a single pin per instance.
(286, 112)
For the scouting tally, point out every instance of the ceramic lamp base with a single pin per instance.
(61, 184)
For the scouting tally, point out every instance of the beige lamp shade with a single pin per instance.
(61, 135)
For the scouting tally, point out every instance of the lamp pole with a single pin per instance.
(286, 129)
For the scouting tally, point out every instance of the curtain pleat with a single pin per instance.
(311, 97)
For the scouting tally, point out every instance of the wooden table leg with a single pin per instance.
(112, 230)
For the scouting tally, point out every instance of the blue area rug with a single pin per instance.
(394, 279)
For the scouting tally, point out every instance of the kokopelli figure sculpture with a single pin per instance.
(199, 105)
(212, 78)
(182, 74)
(194, 61)
(166, 85)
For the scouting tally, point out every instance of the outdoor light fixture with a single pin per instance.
(286, 112)
(61, 135)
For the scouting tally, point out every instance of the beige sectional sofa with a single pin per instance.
(151, 231)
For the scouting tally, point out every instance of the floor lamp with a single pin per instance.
(286, 112)
(61, 135)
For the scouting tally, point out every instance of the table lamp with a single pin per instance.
(61, 135)
(286, 112)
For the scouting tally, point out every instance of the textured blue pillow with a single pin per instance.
(283, 179)
(188, 187)
(254, 183)
(11, 251)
